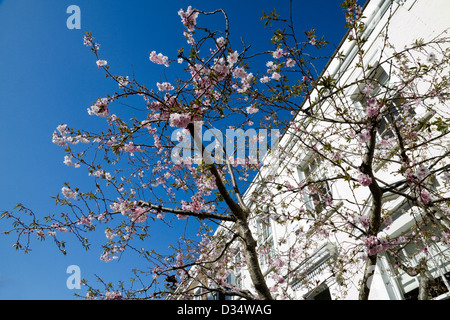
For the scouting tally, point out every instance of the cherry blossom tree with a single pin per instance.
(161, 168)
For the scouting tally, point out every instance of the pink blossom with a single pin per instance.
(376, 245)
(422, 172)
(446, 237)
(86, 220)
(62, 129)
(364, 136)
(368, 89)
(362, 220)
(122, 206)
(365, 180)
(179, 120)
(290, 63)
(278, 53)
(113, 295)
(239, 73)
(69, 193)
(105, 257)
(179, 259)
(165, 86)
(358, 11)
(233, 58)
(222, 70)
(312, 41)
(130, 147)
(123, 81)
(373, 107)
(159, 58)
(188, 18)
(87, 41)
(245, 83)
(139, 214)
(58, 139)
(101, 63)
(196, 205)
(276, 76)
(270, 65)
(68, 161)
(264, 79)
(158, 143)
(425, 197)
(220, 42)
(154, 105)
(99, 108)
(40, 233)
(252, 109)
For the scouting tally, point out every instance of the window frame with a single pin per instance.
(264, 231)
(314, 202)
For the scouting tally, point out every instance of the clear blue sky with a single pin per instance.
(50, 78)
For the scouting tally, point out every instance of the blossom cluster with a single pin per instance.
(69, 193)
(274, 66)
(131, 148)
(101, 63)
(88, 41)
(245, 77)
(365, 180)
(165, 86)
(123, 81)
(68, 162)
(99, 108)
(375, 245)
(132, 210)
(373, 108)
(196, 205)
(113, 295)
(61, 137)
(159, 58)
(179, 120)
(188, 18)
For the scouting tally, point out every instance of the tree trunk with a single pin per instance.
(425, 280)
(369, 270)
(374, 215)
(252, 260)
(240, 213)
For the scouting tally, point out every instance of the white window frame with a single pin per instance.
(265, 235)
(304, 170)
(435, 262)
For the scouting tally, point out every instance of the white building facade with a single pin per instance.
(319, 264)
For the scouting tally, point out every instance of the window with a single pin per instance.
(437, 289)
(199, 293)
(220, 295)
(438, 263)
(236, 279)
(317, 194)
(315, 269)
(265, 238)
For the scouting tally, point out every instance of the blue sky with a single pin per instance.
(50, 78)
